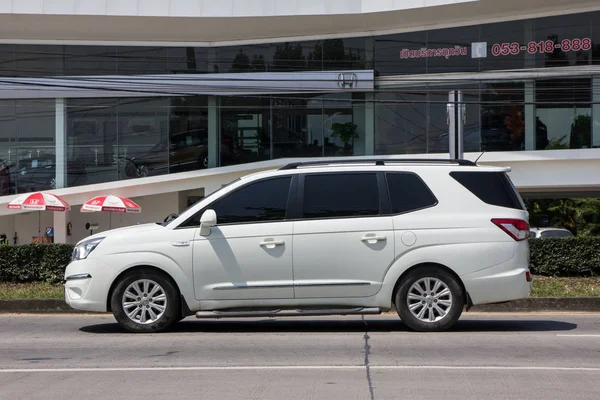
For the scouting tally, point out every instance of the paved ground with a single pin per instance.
(516, 356)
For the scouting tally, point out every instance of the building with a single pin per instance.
(166, 100)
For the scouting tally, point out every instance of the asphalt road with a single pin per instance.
(511, 356)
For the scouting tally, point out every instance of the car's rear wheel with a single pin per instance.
(146, 301)
(429, 299)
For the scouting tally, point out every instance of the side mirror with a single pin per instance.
(208, 220)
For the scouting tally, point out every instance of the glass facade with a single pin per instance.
(508, 106)
(116, 139)
(27, 146)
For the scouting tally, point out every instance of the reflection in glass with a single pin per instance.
(27, 146)
(262, 128)
(390, 51)
(90, 60)
(322, 55)
(8, 148)
(130, 138)
(503, 116)
(36, 145)
(143, 134)
(92, 139)
(569, 38)
(188, 134)
(244, 130)
(401, 122)
(39, 60)
(563, 114)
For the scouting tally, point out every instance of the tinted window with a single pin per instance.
(492, 188)
(340, 195)
(256, 202)
(408, 193)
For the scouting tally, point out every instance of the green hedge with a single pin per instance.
(34, 262)
(550, 257)
(569, 257)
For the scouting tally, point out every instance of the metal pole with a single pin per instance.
(451, 111)
(455, 111)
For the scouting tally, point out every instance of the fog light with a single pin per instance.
(75, 293)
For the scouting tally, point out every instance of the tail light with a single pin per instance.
(517, 229)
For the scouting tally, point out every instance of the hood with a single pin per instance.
(128, 230)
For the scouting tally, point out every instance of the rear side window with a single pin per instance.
(493, 188)
(408, 192)
(340, 195)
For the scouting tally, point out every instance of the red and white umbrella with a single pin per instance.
(111, 203)
(39, 201)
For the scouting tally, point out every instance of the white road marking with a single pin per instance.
(576, 335)
(302, 367)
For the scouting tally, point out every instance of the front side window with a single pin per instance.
(256, 202)
(340, 195)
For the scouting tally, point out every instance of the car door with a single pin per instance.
(343, 242)
(248, 254)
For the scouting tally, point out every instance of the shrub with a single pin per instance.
(34, 262)
(565, 256)
(569, 257)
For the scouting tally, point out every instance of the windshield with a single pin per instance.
(172, 217)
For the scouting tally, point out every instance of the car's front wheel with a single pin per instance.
(145, 301)
(429, 299)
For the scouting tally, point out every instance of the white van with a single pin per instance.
(332, 237)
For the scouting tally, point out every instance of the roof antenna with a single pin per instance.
(479, 156)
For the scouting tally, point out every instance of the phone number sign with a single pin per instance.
(481, 49)
(541, 47)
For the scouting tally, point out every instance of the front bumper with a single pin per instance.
(87, 283)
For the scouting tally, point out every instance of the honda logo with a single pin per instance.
(347, 81)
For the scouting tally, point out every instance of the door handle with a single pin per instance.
(271, 244)
(180, 244)
(373, 239)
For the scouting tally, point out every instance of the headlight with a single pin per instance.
(83, 249)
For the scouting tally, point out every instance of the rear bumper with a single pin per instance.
(503, 282)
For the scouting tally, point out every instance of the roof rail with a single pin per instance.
(381, 161)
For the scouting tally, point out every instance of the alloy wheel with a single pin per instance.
(144, 301)
(429, 299)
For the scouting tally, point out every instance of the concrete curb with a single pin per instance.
(543, 304)
(33, 306)
(58, 306)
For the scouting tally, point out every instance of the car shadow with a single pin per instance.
(191, 325)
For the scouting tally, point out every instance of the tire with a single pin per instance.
(440, 312)
(148, 317)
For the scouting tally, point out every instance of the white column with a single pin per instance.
(213, 131)
(60, 221)
(530, 125)
(61, 143)
(369, 124)
(596, 111)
